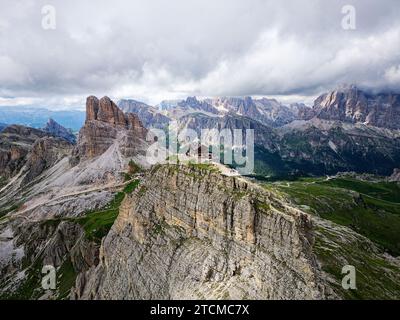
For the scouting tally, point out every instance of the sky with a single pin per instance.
(153, 50)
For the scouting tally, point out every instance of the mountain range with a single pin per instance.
(345, 130)
(115, 226)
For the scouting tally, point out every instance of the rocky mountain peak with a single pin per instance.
(26, 132)
(193, 102)
(92, 108)
(131, 105)
(350, 104)
(104, 124)
(104, 110)
(54, 128)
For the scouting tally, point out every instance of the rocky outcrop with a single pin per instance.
(15, 144)
(15, 132)
(45, 153)
(189, 233)
(105, 111)
(57, 130)
(105, 124)
(33, 244)
(351, 104)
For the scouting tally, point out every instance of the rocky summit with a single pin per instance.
(105, 124)
(351, 104)
(54, 128)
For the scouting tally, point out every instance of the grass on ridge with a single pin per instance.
(97, 223)
(370, 208)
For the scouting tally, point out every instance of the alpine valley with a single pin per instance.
(325, 194)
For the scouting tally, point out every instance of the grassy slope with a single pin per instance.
(370, 209)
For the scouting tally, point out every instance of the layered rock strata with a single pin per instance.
(105, 123)
(190, 233)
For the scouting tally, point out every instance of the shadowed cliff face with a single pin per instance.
(45, 153)
(188, 232)
(15, 144)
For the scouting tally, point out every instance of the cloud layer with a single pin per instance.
(159, 49)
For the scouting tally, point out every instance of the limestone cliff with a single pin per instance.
(105, 124)
(189, 232)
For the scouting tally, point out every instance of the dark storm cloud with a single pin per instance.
(166, 49)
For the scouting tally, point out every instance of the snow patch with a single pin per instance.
(332, 146)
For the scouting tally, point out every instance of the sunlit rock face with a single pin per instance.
(105, 124)
(350, 104)
(189, 232)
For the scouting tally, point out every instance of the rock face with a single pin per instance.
(350, 104)
(45, 153)
(326, 147)
(15, 144)
(267, 111)
(395, 177)
(34, 244)
(105, 123)
(149, 116)
(57, 130)
(315, 147)
(189, 233)
(194, 103)
(263, 135)
(105, 111)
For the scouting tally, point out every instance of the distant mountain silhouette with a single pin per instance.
(37, 117)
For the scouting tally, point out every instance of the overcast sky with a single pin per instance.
(157, 49)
